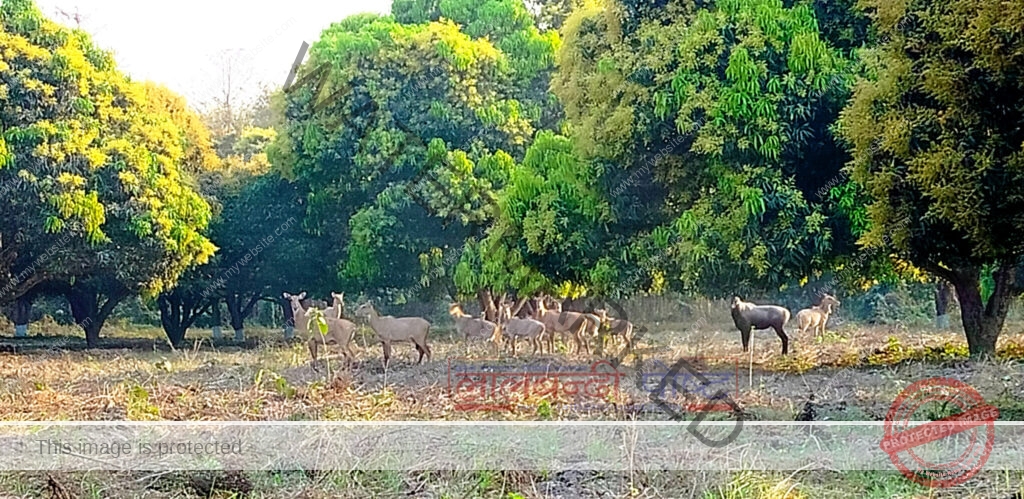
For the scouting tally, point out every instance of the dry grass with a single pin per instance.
(853, 373)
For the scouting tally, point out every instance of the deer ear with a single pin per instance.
(286, 296)
(302, 295)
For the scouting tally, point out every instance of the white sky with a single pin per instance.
(183, 43)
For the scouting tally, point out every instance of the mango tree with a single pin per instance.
(391, 142)
(937, 138)
(711, 123)
(100, 202)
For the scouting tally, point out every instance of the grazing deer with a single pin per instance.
(570, 324)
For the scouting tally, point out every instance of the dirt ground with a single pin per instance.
(853, 373)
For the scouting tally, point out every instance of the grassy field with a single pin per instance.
(853, 373)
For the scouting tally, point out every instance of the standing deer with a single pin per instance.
(391, 329)
(749, 316)
(567, 323)
(816, 317)
(513, 328)
(472, 328)
(339, 331)
(617, 327)
(337, 310)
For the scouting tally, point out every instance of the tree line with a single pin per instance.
(486, 150)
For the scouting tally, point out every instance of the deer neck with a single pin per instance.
(373, 318)
(299, 314)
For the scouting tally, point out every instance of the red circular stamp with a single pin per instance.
(945, 452)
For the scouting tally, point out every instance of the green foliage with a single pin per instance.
(98, 166)
(719, 118)
(937, 144)
(430, 110)
(139, 408)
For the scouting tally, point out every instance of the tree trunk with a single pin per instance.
(983, 322)
(239, 309)
(178, 312)
(21, 314)
(236, 318)
(943, 295)
(487, 307)
(90, 312)
(217, 321)
(171, 318)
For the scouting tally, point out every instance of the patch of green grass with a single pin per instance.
(486, 480)
(544, 410)
(752, 485)
(1010, 407)
(139, 408)
(883, 484)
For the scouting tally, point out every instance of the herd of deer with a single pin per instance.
(547, 321)
(540, 327)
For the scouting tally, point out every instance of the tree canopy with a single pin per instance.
(99, 198)
(937, 142)
(714, 121)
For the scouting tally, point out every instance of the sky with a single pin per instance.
(185, 44)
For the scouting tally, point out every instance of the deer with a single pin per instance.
(513, 328)
(567, 323)
(336, 310)
(591, 328)
(617, 327)
(815, 318)
(747, 316)
(339, 331)
(391, 329)
(472, 328)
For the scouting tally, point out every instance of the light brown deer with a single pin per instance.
(816, 318)
(339, 331)
(513, 328)
(571, 324)
(336, 310)
(617, 327)
(591, 328)
(472, 328)
(391, 329)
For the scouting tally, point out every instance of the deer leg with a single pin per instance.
(745, 338)
(348, 348)
(583, 340)
(420, 350)
(387, 353)
(782, 336)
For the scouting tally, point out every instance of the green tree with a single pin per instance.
(711, 123)
(937, 144)
(99, 198)
(413, 115)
